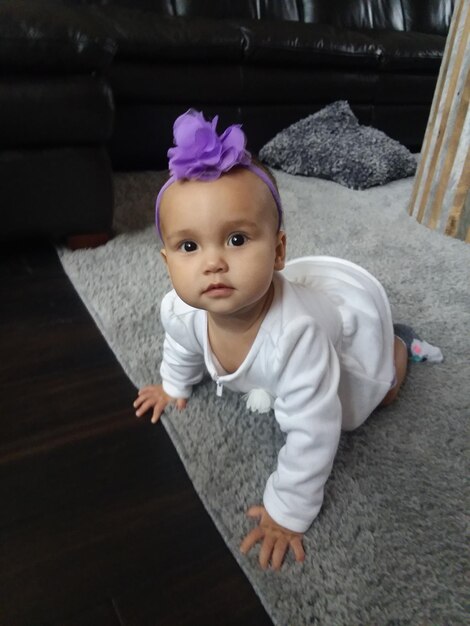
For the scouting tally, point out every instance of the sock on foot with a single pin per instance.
(418, 349)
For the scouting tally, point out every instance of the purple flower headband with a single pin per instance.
(201, 154)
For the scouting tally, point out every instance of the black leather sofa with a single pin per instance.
(56, 117)
(84, 79)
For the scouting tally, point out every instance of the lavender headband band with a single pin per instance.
(201, 154)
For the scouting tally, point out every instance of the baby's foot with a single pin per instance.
(418, 349)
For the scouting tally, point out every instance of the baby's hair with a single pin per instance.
(265, 169)
(262, 166)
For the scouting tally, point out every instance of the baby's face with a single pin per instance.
(221, 241)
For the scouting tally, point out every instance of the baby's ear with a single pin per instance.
(163, 253)
(280, 259)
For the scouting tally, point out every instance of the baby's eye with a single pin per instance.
(236, 240)
(188, 246)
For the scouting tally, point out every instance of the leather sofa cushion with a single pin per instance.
(237, 9)
(166, 83)
(170, 83)
(409, 51)
(146, 36)
(294, 43)
(427, 16)
(52, 111)
(424, 16)
(321, 44)
(250, 84)
(55, 38)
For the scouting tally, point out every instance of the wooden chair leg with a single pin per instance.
(90, 240)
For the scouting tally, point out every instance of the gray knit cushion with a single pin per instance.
(332, 144)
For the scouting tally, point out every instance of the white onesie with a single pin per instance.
(323, 353)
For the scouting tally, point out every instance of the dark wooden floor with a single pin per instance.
(99, 523)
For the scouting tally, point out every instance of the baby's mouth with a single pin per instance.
(219, 288)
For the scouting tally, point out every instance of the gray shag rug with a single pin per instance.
(388, 548)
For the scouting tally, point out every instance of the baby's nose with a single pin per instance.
(215, 262)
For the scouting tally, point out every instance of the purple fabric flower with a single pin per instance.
(200, 152)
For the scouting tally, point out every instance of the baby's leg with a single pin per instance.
(401, 363)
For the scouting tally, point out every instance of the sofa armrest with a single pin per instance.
(49, 36)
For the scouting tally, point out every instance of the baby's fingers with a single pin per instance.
(157, 412)
(144, 400)
(251, 539)
(298, 549)
(143, 407)
(139, 402)
(266, 551)
(280, 548)
(255, 511)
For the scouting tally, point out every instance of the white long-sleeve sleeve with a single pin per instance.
(308, 410)
(180, 369)
(183, 360)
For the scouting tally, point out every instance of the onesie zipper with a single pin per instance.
(220, 387)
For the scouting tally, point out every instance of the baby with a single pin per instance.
(313, 339)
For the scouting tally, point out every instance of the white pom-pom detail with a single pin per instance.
(259, 401)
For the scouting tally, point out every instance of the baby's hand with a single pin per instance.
(276, 540)
(155, 397)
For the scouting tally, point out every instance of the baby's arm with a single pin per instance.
(308, 411)
(154, 397)
(180, 370)
(182, 364)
